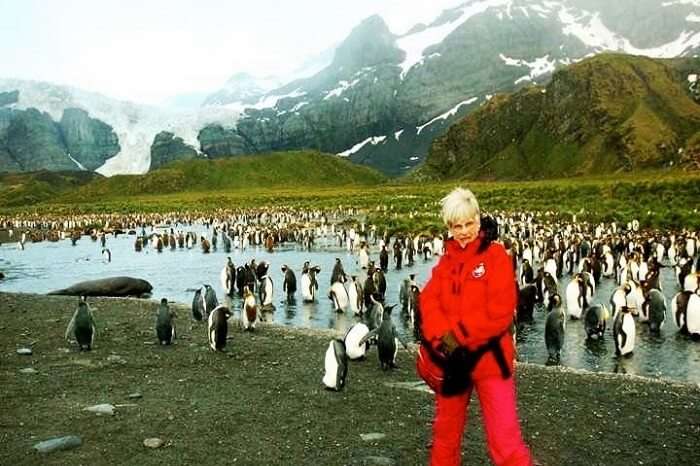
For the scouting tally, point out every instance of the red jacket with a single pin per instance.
(474, 296)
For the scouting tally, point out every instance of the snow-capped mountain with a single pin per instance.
(382, 98)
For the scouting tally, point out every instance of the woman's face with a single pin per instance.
(465, 230)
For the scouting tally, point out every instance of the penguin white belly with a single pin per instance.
(223, 277)
(352, 341)
(618, 299)
(693, 315)
(573, 306)
(364, 259)
(608, 265)
(330, 377)
(268, 292)
(630, 330)
(691, 282)
(551, 267)
(527, 254)
(211, 331)
(248, 313)
(642, 271)
(340, 296)
(306, 291)
(352, 298)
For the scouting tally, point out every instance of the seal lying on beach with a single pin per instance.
(112, 286)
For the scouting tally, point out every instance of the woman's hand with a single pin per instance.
(448, 342)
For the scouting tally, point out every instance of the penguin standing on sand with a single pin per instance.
(208, 301)
(165, 323)
(106, 255)
(387, 341)
(289, 286)
(336, 366)
(217, 329)
(82, 326)
(249, 312)
(352, 338)
(554, 330)
(198, 305)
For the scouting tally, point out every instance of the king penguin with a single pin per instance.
(217, 329)
(82, 326)
(165, 323)
(336, 366)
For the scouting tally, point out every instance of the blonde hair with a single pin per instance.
(459, 204)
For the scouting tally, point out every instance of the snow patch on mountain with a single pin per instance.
(692, 18)
(397, 134)
(414, 44)
(374, 140)
(447, 114)
(538, 66)
(342, 87)
(682, 2)
(590, 30)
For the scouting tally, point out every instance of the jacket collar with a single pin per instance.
(453, 247)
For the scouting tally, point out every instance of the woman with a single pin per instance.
(467, 309)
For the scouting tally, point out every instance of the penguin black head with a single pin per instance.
(284, 268)
(388, 309)
(164, 301)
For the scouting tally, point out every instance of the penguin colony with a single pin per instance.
(545, 252)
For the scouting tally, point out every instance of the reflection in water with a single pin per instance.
(175, 274)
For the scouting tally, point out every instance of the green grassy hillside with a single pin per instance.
(605, 114)
(27, 189)
(277, 170)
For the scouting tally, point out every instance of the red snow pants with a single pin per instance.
(501, 425)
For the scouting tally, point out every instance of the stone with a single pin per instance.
(153, 442)
(372, 436)
(58, 443)
(374, 461)
(134, 396)
(28, 370)
(24, 351)
(104, 408)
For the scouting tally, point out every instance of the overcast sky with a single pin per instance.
(147, 50)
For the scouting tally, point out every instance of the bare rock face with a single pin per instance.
(167, 148)
(88, 140)
(31, 140)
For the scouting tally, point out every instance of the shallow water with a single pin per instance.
(174, 274)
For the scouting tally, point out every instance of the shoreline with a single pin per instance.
(316, 332)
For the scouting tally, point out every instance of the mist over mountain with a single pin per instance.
(380, 100)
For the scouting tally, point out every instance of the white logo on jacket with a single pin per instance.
(479, 271)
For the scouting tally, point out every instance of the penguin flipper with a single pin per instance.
(371, 334)
(71, 326)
